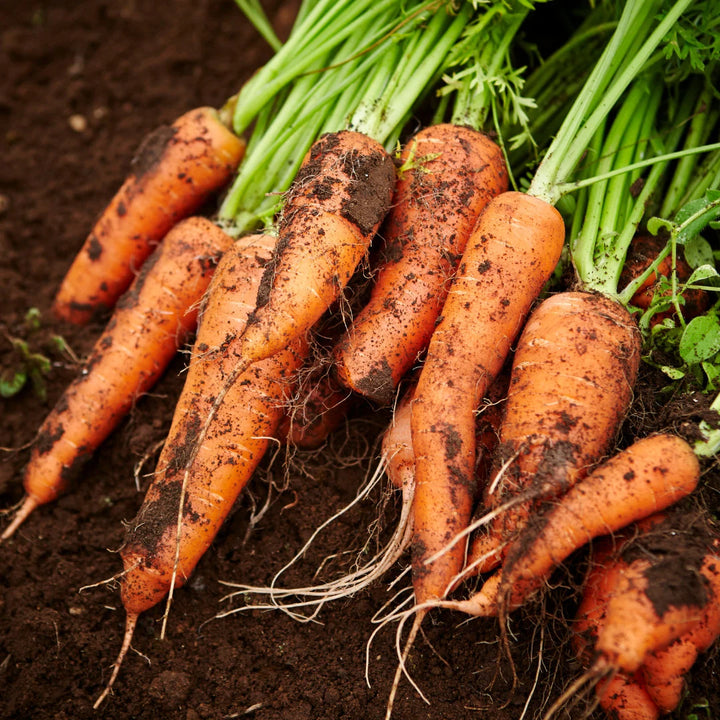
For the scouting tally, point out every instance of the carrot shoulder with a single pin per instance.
(151, 321)
(452, 172)
(174, 172)
(509, 256)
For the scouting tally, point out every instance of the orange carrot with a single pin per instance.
(664, 670)
(203, 468)
(174, 172)
(571, 384)
(319, 408)
(151, 321)
(452, 174)
(649, 606)
(333, 209)
(650, 475)
(510, 255)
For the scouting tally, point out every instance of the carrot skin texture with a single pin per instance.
(177, 168)
(625, 698)
(664, 670)
(435, 206)
(511, 253)
(234, 443)
(333, 210)
(572, 382)
(649, 476)
(151, 321)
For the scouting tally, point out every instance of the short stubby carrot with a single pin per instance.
(572, 381)
(151, 321)
(649, 605)
(319, 407)
(333, 210)
(511, 253)
(176, 169)
(647, 477)
(451, 174)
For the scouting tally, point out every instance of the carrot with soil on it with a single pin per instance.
(174, 172)
(647, 477)
(452, 172)
(666, 579)
(151, 321)
(197, 479)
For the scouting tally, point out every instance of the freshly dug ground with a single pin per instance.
(81, 85)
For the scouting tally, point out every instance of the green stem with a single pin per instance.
(624, 57)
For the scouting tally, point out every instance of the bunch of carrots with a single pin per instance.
(477, 274)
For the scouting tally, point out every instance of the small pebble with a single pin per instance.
(78, 123)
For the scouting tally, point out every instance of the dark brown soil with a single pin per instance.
(81, 85)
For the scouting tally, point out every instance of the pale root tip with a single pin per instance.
(29, 504)
(130, 622)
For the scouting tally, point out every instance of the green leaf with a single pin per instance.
(702, 273)
(698, 252)
(700, 340)
(713, 375)
(655, 224)
(12, 382)
(672, 372)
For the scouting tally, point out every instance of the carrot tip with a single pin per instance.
(130, 622)
(28, 505)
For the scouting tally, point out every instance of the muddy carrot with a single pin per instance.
(151, 321)
(203, 468)
(173, 173)
(450, 174)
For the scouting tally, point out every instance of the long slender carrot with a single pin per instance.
(647, 477)
(174, 172)
(451, 174)
(509, 256)
(151, 321)
(203, 467)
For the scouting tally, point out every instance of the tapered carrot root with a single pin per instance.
(626, 698)
(572, 381)
(204, 466)
(650, 475)
(453, 173)
(334, 207)
(150, 323)
(175, 171)
(510, 255)
(232, 446)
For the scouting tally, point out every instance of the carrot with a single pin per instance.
(509, 256)
(333, 209)
(452, 172)
(203, 468)
(174, 172)
(643, 251)
(650, 475)
(319, 408)
(649, 606)
(571, 384)
(151, 321)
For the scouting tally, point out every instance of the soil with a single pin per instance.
(82, 84)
